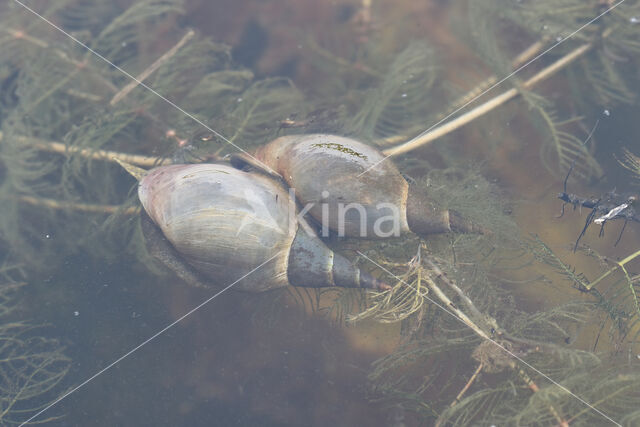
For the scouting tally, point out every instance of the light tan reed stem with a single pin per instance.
(488, 106)
(81, 207)
(58, 147)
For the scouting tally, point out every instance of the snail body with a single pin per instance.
(222, 223)
(352, 188)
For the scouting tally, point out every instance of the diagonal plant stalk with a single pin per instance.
(620, 265)
(60, 148)
(151, 68)
(79, 207)
(490, 105)
(524, 56)
(433, 134)
(85, 66)
(488, 346)
(523, 376)
(17, 34)
(418, 141)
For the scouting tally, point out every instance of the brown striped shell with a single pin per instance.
(333, 171)
(341, 181)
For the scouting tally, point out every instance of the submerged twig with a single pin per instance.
(384, 306)
(488, 106)
(442, 276)
(631, 162)
(463, 391)
(535, 389)
(153, 67)
(621, 265)
(526, 55)
(80, 207)
(454, 308)
(21, 35)
(58, 147)
(493, 359)
(311, 44)
(80, 65)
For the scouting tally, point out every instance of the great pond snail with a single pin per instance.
(351, 188)
(215, 223)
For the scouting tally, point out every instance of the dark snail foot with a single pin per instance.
(160, 249)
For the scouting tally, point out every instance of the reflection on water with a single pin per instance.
(376, 71)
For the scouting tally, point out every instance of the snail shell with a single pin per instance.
(226, 223)
(338, 174)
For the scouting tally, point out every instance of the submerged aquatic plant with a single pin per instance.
(62, 99)
(64, 113)
(632, 163)
(32, 366)
(616, 292)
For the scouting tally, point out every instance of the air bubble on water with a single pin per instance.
(559, 38)
(47, 236)
(404, 95)
(634, 19)
(239, 100)
(606, 113)
(76, 313)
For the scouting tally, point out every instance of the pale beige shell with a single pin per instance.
(247, 214)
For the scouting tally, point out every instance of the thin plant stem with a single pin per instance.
(463, 391)
(524, 56)
(534, 388)
(311, 44)
(619, 264)
(488, 106)
(21, 35)
(467, 385)
(442, 276)
(111, 156)
(450, 305)
(152, 68)
(80, 207)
